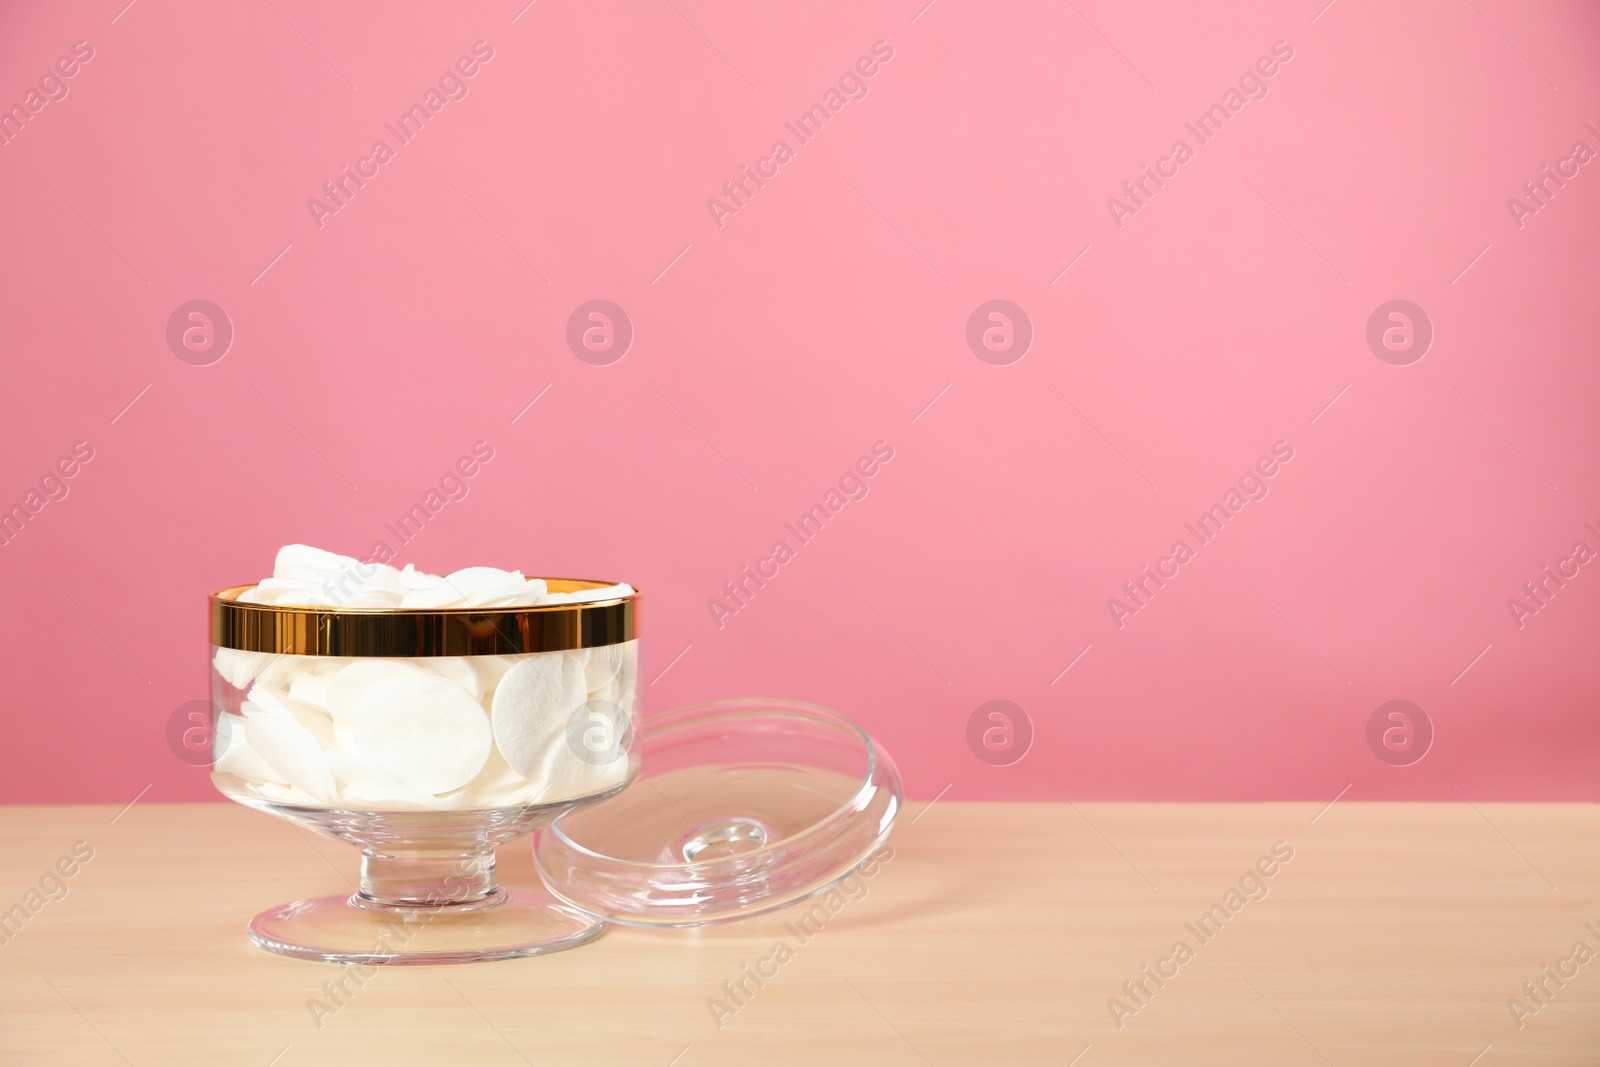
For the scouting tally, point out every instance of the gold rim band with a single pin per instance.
(429, 632)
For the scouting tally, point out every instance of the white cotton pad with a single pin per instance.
(311, 688)
(362, 597)
(438, 595)
(360, 783)
(239, 668)
(530, 592)
(455, 668)
(356, 678)
(473, 581)
(566, 776)
(289, 591)
(275, 701)
(622, 690)
(309, 564)
(288, 794)
(281, 671)
(528, 793)
(423, 731)
(357, 799)
(602, 666)
(238, 758)
(532, 706)
(491, 669)
(289, 749)
(310, 577)
(461, 589)
(411, 578)
(494, 782)
(399, 799)
(380, 578)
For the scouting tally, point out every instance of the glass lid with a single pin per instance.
(742, 807)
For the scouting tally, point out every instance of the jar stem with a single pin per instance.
(427, 879)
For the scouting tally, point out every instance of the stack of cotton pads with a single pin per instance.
(309, 577)
(431, 733)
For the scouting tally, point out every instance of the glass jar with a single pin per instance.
(427, 739)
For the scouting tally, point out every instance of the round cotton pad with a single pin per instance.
(290, 749)
(425, 732)
(532, 704)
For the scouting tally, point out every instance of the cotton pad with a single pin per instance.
(621, 689)
(311, 577)
(289, 749)
(362, 784)
(532, 705)
(602, 665)
(312, 689)
(289, 794)
(491, 669)
(238, 758)
(411, 578)
(423, 731)
(438, 595)
(357, 677)
(238, 668)
(528, 793)
(454, 668)
(338, 580)
(529, 593)
(471, 582)
(281, 671)
(567, 775)
(309, 564)
(493, 785)
(313, 720)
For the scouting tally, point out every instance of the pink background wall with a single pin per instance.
(771, 351)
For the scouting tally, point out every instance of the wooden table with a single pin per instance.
(997, 934)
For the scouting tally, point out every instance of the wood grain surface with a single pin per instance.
(996, 934)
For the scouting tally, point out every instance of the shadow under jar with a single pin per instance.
(427, 739)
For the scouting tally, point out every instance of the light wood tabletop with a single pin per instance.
(996, 934)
